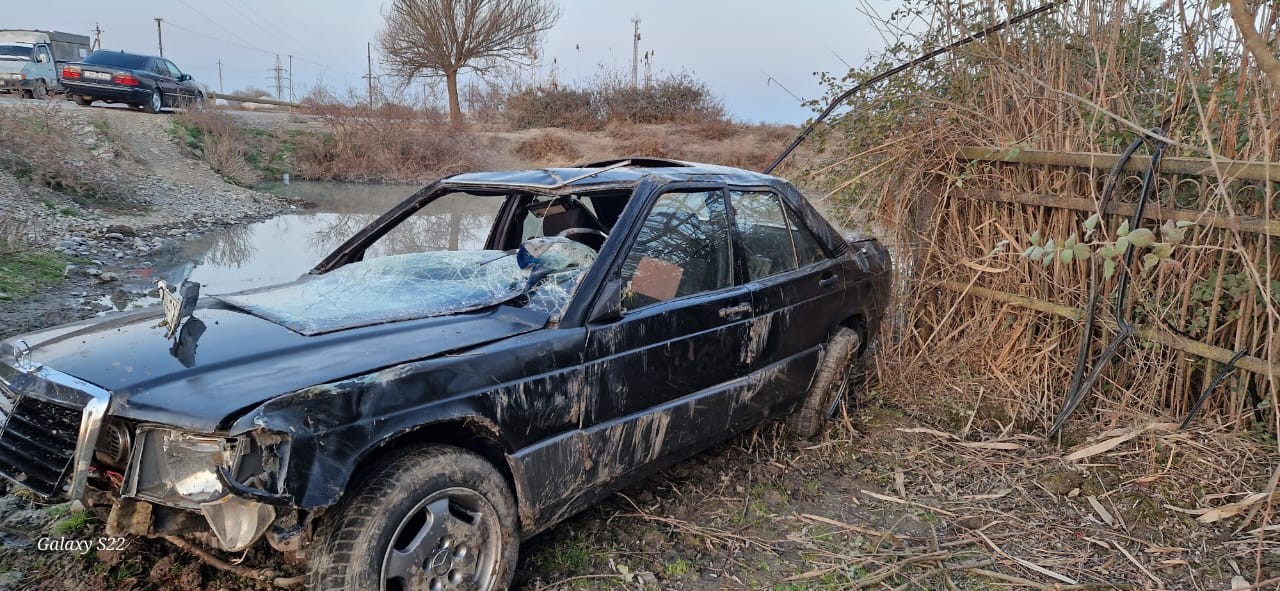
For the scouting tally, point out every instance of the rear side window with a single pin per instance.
(116, 59)
(807, 248)
(767, 245)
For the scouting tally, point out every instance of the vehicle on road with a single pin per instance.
(406, 413)
(31, 61)
(148, 82)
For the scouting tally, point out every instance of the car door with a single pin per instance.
(45, 65)
(165, 81)
(663, 371)
(795, 291)
(183, 86)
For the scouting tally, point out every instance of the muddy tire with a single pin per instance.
(435, 517)
(833, 377)
(83, 101)
(40, 91)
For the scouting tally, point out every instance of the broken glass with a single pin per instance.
(421, 285)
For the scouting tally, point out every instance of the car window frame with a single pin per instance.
(782, 210)
(788, 213)
(736, 278)
(47, 53)
(174, 71)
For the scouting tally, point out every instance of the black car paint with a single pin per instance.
(152, 75)
(569, 410)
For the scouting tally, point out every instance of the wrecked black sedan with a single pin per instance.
(406, 413)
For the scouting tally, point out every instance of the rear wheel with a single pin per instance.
(154, 103)
(83, 101)
(40, 91)
(434, 518)
(832, 380)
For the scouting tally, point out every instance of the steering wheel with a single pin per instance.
(591, 237)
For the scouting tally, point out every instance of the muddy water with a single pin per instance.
(285, 247)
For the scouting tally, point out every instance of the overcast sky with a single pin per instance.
(735, 46)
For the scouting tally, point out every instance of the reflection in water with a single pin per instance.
(286, 247)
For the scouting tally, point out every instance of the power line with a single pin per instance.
(272, 28)
(213, 22)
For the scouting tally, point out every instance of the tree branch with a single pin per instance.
(1267, 61)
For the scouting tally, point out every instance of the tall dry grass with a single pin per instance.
(41, 145)
(1088, 78)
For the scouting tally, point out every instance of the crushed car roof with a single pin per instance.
(622, 171)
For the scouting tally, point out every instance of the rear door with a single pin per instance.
(796, 294)
(166, 80)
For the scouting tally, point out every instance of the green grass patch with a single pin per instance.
(74, 523)
(24, 273)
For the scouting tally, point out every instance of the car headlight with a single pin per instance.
(180, 469)
(18, 76)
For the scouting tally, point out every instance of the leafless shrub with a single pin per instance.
(566, 108)
(40, 144)
(383, 144)
(610, 100)
(547, 146)
(221, 141)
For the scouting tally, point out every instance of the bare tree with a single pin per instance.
(442, 38)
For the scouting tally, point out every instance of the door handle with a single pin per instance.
(828, 280)
(735, 310)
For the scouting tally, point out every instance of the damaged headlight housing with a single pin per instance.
(180, 469)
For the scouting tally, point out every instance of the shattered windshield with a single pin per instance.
(422, 285)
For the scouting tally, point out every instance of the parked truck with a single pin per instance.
(31, 61)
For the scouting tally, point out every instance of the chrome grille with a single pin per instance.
(37, 441)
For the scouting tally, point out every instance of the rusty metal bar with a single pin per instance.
(1255, 225)
(1174, 341)
(1231, 169)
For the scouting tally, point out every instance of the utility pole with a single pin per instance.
(220, 91)
(159, 36)
(635, 53)
(97, 37)
(369, 76)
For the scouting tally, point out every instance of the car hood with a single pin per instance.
(226, 361)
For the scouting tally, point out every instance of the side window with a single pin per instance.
(42, 55)
(766, 238)
(173, 70)
(807, 248)
(683, 248)
(158, 67)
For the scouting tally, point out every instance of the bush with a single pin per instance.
(40, 144)
(221, 141)
(677, 98)
(553, 107)
(392, 144)
(547, 147)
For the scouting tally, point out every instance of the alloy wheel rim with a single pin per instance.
(449, 541)
(155, 100)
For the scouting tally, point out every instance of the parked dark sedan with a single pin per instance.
(149, 82)
(403, 417)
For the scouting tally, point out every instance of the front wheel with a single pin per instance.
(40, 91)
(154, 103)
(830, 382)
(434, 518)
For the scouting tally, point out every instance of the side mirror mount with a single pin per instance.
(608, 306)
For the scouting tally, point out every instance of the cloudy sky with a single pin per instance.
(735, 46)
